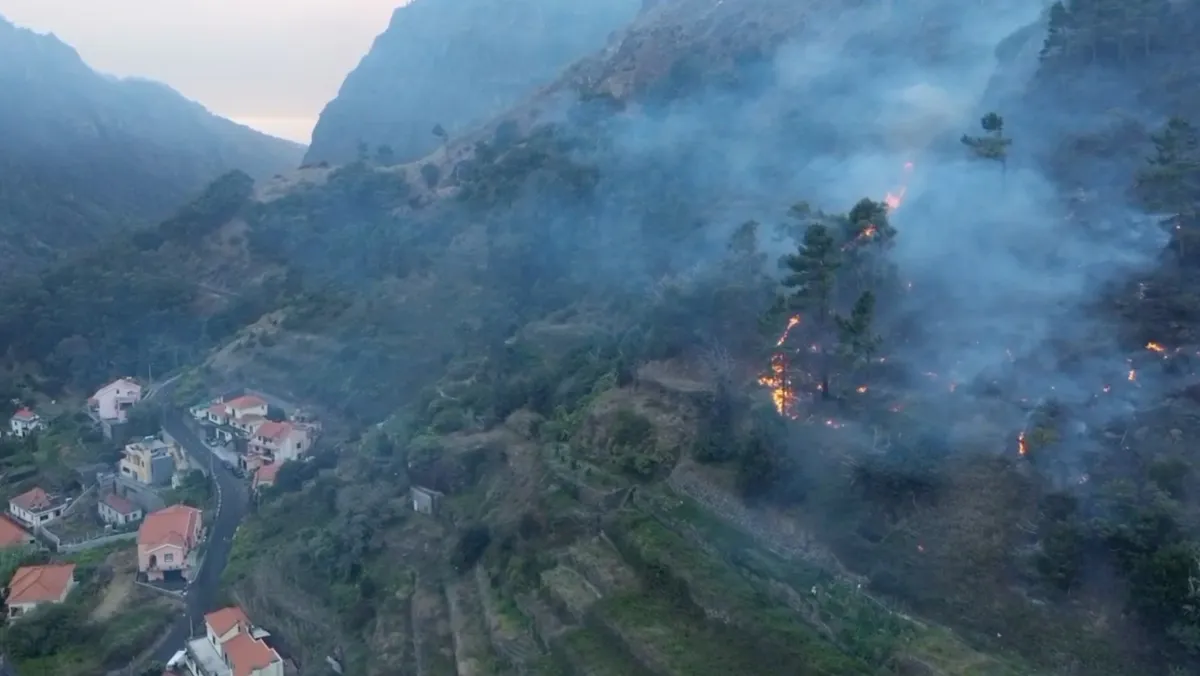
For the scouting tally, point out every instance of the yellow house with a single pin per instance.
(149, 461)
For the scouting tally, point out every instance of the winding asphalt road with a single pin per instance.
(233, 501)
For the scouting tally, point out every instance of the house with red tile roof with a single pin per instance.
(117, 510)
(265, 476)
(36, 507)
(112, 402)
(241, 415)
(32, 586)
(281, 441)
(166, 540)
(25, 422)
(12, 535)
(232, 645)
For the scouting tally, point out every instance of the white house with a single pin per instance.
(36, 507)
(232, 645)
(113, 401)
(243, 414)
(247, 405)
(118, 511)
(25, 422)
(281, 440)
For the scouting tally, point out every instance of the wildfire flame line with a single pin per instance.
(777, 379)
(895, 199)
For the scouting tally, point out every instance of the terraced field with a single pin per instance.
(665, 587)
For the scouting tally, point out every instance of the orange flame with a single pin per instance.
(1022, 445)
(792, 323)
(1155, 347)
(776, 379)
(867, 233)
(893, 200)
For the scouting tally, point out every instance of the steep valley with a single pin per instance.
(569, 322)
(85, 156)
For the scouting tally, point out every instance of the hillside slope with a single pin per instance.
(648, 466)
(83, 155)
(571, 277)
(455, 63)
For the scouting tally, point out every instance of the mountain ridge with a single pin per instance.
(87, 154)
(453, 65)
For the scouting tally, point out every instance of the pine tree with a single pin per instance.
(992, 144)
(1170, 182)
(868, 235)
(857, 341)
(812, 275)
(1057, 34)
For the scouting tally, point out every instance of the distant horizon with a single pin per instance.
(268, 65)
(297, 129)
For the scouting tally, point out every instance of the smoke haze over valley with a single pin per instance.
(676, 338)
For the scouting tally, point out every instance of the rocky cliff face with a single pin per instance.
(83, 154)
(455, 63)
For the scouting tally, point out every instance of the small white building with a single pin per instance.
(25, 422)
(36, 507)
(118, 511)
(424, 500)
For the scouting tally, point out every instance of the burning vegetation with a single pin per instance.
(838, 265)
(834, 247)
(1081, 442)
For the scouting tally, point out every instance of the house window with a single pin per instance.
(168, 557)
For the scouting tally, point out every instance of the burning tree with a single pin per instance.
(812, 274)
(832, 283)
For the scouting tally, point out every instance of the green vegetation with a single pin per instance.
(920, 528)
(992, 145)
(621, 495)
(195, 490)
(65, 640)
(87, 157)
(149, 319)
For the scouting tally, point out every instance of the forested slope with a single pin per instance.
(84, 155)
(787, 358)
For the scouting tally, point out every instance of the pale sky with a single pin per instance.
(269, 64)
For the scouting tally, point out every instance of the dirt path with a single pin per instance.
(119, 589)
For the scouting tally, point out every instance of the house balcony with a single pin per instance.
(204, 659)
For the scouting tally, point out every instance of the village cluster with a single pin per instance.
(124, 502)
